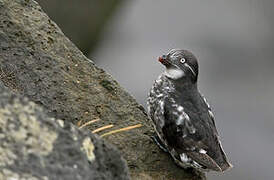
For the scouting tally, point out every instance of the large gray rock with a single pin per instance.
(38, 61)
(34, 146)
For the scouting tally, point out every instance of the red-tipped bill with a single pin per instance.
(164, 61)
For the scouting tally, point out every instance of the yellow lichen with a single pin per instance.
(7, 157)
(6, 174)
(60, 122)
(24, 129)
(88, 148)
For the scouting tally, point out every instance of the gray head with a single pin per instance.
(180, 64)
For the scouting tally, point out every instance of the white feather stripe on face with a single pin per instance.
(174, 73)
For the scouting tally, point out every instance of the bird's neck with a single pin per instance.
(185, 85)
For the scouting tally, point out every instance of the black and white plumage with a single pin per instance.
(183, 119)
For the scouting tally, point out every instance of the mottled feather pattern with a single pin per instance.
(182, 116)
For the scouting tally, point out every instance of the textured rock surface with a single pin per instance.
(34, 146)
(38, 61)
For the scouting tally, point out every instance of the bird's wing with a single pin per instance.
(156, 114)
(220, 157)
(198, 140)
(209, 111)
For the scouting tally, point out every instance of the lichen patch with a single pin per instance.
(10, 175)
(7, 157)
(60, 122)
(19, 126)
(88, 148)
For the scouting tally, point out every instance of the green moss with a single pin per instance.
(107, 84)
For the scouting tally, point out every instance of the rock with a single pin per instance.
(34, 146)
(39, 62)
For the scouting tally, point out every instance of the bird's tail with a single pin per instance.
(225, 164)
(220, 163)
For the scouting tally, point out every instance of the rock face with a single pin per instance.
(39, 62)
(34, 146)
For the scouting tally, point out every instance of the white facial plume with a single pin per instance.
(174, 73)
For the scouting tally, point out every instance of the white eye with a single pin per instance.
(183, 60)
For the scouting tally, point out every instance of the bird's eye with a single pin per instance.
(183, 60)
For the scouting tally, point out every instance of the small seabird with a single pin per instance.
(182, 117)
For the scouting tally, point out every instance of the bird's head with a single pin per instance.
(180, 64)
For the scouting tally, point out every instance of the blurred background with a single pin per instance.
(233, 41)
